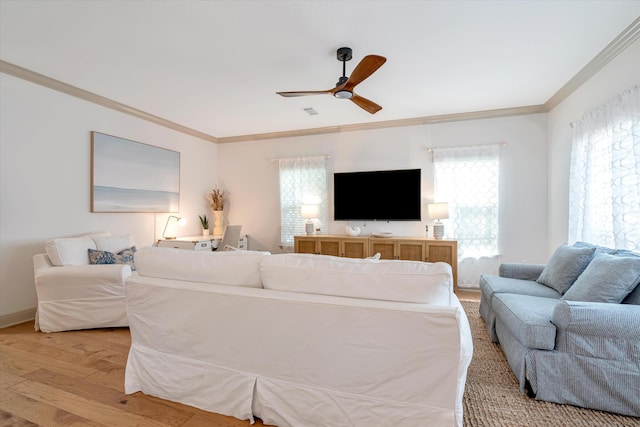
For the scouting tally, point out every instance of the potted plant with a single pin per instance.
(204, 221)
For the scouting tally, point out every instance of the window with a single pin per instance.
(303, 181)
(468, 179)
(604, 195)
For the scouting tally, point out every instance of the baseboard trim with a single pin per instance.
(18, 317)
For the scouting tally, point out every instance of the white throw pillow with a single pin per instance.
(404, 281)
(235, 268)
(70, 250)
(113, 244)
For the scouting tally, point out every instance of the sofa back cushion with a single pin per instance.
(403, 281)
(73, 250)
(608, 278)
(114, 244)
(564, 267)
(234, 268)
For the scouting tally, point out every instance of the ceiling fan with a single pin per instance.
(344, 87)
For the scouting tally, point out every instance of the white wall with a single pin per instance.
(45, 179)
(620, 74)
(252, 178)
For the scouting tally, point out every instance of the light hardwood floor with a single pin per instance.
(76, 378)
(468, 294)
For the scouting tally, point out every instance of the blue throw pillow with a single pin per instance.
(564, 267)
(125, 256)
(608, 278)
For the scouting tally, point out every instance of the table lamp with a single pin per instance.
(438, 211)
(181, 221)
(309, 212)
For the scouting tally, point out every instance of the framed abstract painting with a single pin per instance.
(129, 176)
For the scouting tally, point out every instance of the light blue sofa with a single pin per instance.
(571, 329)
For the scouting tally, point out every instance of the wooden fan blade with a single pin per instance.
(303, 93)
(365, 104)
(364, 69)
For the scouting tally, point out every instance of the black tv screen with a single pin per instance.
(390, 195)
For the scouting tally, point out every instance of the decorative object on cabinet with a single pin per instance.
(180, 221)
(309, 212)
(204, 221)
(438, 211)
(218, 199)
(352, 231)
(117, 183)
(382, 234)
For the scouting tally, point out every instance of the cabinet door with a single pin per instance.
(440, 253)
(386, 248)
(444, 251)
(329, 247)
(355, 248)
(305, 245)
(411, 250)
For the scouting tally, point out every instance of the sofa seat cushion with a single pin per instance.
(234, 268)
(490, 285)
(402, 281)
(528, 318)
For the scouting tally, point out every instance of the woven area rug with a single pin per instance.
(492, 395)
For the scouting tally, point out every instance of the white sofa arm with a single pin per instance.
(57, 282)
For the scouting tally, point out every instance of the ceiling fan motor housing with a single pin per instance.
(343, 54)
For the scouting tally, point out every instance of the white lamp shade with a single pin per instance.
(438, 210)
(309, 211)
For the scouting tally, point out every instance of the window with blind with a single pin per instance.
(604, 195)
(468, 179)
(303, 181)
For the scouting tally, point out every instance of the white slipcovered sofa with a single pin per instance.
(299, 340)
(79, 291)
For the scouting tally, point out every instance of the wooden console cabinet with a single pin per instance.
(404, 248)
(326, 244)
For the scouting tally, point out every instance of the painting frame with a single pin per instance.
(131, 176)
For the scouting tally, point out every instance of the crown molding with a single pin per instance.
(475, 115)
(619, 44)
(31, 76)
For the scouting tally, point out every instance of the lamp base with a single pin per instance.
(438, 231)
(309, 227)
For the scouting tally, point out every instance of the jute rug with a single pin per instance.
(492, 395)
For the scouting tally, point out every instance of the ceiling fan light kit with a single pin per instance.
(343, 94)
(344, 87)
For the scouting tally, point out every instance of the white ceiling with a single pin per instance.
(214, 66)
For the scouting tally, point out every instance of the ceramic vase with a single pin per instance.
(218, 229)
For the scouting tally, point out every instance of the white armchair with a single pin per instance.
(75, 294)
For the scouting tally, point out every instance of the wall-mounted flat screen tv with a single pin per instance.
(388, 195)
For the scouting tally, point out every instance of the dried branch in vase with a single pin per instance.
(217, 199)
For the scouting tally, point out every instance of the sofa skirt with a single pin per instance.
(244, 395)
